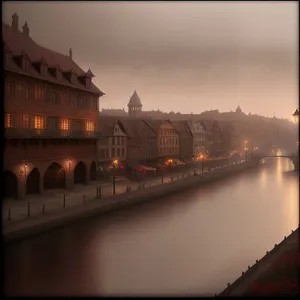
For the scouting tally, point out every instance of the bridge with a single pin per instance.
(293, 158)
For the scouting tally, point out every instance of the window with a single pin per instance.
(81, 101)
(38, 92)
(26, 90)
(10, 120)
(123, 152)
(107, 153)
(9, 88)
(89, 126)
(113, 152)
(73, 100)
(118, 152)
(118, 140)
(25, 120)
(64, 124)
(52, 122)
(53, 97)
(39, 122)
(113, 141)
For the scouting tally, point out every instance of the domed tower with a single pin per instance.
(238, 109)
(134, 105)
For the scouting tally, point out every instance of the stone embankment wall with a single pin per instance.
(34, 226)
(256, 270)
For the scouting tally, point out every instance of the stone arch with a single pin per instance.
(33, 182)
(54, 177)
(93, 171)
(10, 184)
(80, 173)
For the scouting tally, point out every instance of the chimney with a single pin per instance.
(26, 29)
(15, 21)
(71, 53)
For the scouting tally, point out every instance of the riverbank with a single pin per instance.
(273, 275)
(37, 225)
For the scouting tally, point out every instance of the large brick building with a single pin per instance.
(51, 117)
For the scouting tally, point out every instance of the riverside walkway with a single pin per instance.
(276, 274)
(42, 220)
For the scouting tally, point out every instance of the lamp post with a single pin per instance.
(246, 154)
(202, 161)
(115, 163)
(70, 165)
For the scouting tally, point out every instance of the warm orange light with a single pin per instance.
(115, 162)
(25, 166)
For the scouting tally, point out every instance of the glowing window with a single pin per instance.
(89, 126)
(25, 120)
(39, 122)
(64, 124)
(7, 120)
(38, 92)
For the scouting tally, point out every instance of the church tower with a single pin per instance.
(134, 105)
(238, 109)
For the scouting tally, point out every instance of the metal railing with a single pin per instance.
(20, 211)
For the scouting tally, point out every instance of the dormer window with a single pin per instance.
(71, 76)
(86, 79)
(7, 55)
(26, 64)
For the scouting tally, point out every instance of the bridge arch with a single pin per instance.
(10, 184)
(80, 173)
(54, 177)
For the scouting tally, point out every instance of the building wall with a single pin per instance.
(26, 96)
(168, 141)
(199, 134)
(113, 147)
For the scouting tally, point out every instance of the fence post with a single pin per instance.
(162, 180)
(9, 214)
(43, 208)
(64, 201)
(100, 191)
(28, 208)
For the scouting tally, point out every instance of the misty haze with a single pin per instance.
(151, 148)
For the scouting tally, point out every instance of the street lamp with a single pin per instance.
(70, 165)
(115, 163)
(246, 154)
(202, 158)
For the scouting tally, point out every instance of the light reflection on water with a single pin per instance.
(191, 243)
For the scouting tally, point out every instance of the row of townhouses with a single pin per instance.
(54, 137)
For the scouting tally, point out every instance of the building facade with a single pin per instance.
(112, 144)
(198, 131)
(228, 138)
(141, 141)
(167, 138)
(185, 139)
(51, 117)
(213, 137)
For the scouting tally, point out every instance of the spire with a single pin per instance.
(71, 53)
(135, 100)
(25, 29)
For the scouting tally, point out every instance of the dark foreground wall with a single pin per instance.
(33, 226)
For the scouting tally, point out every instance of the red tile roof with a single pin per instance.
(20, 44)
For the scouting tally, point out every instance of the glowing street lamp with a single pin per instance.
(202, 158)
(246, 154)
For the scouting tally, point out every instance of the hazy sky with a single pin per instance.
(180, 56)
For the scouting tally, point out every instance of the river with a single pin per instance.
(192, 243)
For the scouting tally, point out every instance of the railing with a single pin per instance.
(49, 133)
(27, 209)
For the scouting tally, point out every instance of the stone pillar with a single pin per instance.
(41, 186)
(22, 187)
(69, 180)
(87, 178)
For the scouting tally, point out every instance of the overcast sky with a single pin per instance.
(180, 56)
